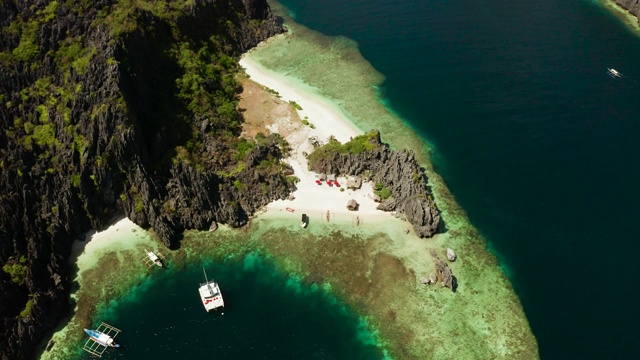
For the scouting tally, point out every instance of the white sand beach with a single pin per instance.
(318, 201)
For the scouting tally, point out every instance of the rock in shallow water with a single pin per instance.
(451, 255)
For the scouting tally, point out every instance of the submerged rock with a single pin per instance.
(432, 278)
(451, 255)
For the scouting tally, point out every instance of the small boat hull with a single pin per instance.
(101, 338)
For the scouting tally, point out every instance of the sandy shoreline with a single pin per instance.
(375, 268)
(317, 201)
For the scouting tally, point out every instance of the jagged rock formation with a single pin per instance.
(105, 110)
(397, 171)
(632, 6)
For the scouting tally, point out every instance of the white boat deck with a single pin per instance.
(211, 296)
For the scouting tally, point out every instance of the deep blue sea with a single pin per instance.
(536, 142)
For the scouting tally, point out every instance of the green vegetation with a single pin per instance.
(333, 147)
(50, 11)
(138, 203)
(75, 180)
(243, 147)
(27, 309)
(44, 135)
(202, 66)
(382, 191)
(27, 50)
(17, 269)
(295, 105)
(271, 91)
(238, 184)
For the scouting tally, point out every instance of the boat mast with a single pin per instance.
(207, 280)
(205, 276)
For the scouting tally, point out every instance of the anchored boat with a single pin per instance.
(153, 258)
(210, 294)
(614, 73)
(100, 339)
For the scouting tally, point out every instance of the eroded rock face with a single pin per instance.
(72, 157)
(633, 6)
(399, 172)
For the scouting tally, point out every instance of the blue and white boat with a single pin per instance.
(101, 339)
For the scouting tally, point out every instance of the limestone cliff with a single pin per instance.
(632, 6)
(402, 183)
(118, 107)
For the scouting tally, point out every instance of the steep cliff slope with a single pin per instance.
(633, 6)
(118, 107)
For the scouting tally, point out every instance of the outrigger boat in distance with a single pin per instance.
(152, 258)
(210, 294)
(101, 339)
(614, 73)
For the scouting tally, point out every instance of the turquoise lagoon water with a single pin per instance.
(268, 315)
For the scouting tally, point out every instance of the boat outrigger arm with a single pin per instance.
(100, 339)
(614, 73)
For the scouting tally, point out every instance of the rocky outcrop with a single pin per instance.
(397, 171)
(91, 127)
(632, 6)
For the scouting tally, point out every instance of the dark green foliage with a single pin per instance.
(243, 147)
(295, 105)
(17, 269)
(27, 50)
(138, 204)
(381, 191)
(357, 145)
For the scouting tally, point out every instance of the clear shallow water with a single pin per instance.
(538, 145)
(268, 316)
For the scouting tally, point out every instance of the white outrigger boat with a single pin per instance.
(152, 258)
(101, 339)
(614, 73)
(210, 294)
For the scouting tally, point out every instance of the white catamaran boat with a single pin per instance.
(210, 294)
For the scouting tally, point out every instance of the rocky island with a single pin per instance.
(118, 107)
